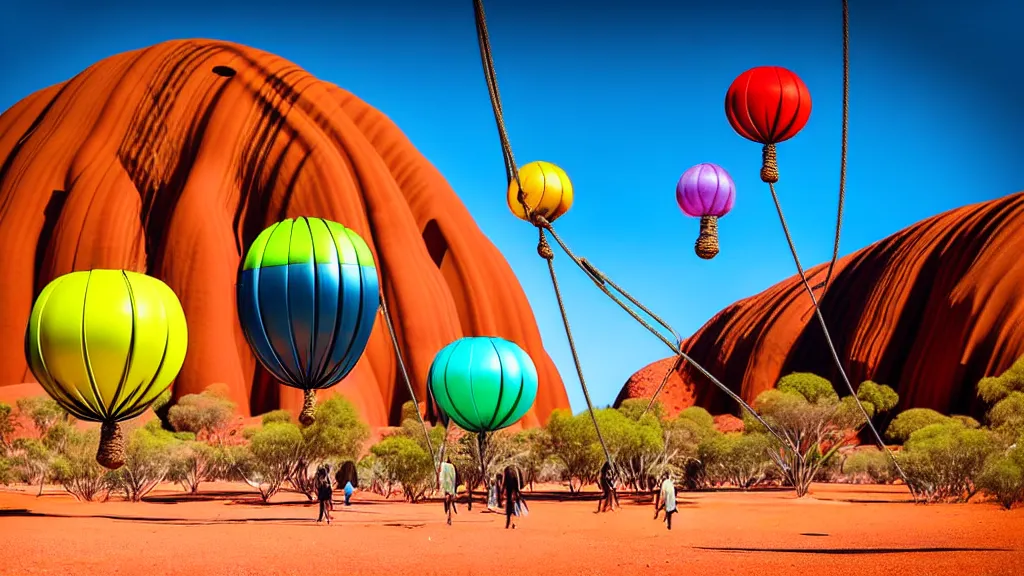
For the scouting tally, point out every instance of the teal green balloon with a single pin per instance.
(483, 383)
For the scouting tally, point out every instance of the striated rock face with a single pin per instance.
(929, 311)
(170, 160)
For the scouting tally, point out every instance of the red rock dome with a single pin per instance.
(171, 159)
(929, 311)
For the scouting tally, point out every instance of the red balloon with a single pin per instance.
(768, 104)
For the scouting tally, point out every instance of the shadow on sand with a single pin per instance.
(850, 551)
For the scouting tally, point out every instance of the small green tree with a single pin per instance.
(574, 443)
(42, 411)
(943, 461)
(1003, 475)
(877, 398)
(148, 458)
(682, 438)
(912, 420)
(193, 463)
(8, 425)
(735, 458)
(636, 444)
(531, 447)
(30, 462)
(208, 415)
(869, 465)
(75, 467)
(269, 459)
(404, 462)
(337, 434)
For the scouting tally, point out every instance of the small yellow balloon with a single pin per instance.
(547, 191)
(106, 343)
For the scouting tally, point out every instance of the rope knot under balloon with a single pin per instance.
(769, 165)
(543, 248)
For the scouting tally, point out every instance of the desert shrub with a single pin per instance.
(194, 462)
(698, 416)
(1003, 475)
(42, 411)
(337, 434)
(148, 455)
(633, 408)
(1007, 416)
(966, 420)
(636, 445)
(943, 461)
(371, 475)
(269, 459)
(74, 466)
(995, 388)
(869, 465)
(208, 415)
(735, 458)
(6, 472)
(813, 424)
(532, 458)
(404, 462)
(877, 398)
(912, 420)
(7, 427)
(276, 417)
(573, 442)
(464, 451)
(30, 462)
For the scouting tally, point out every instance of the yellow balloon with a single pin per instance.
(547, 190)
(106, 343)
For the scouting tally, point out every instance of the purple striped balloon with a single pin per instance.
(706, 190)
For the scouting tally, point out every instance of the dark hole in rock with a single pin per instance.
(224, 71)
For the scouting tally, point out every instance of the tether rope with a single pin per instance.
(770, 175)
(404, 372)
(544, 250)
(512, 173)
(843, 145)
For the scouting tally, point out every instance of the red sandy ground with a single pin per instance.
(872, 530)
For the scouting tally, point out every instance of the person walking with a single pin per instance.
(448, 487)
(666, 499)
(513, 496)
(324, 492)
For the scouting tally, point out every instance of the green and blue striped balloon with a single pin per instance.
(307, 300)
(483, 383)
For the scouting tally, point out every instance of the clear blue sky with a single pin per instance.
(625, 96)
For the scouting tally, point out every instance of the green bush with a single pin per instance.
(42, 411)
(813, 424)
(869, 465)
(698, 416)
(943, 461)
(207, 415)
(637, 447)
(30, 462)
(7, 427)
(1003, 476)
(573, 442)
(148, 455)
(269, 459)
(877, 398)
(735, 458)
(404, 462)
(995, 388)
(194, 462)
(912, 420)
(1007, 416)
(74, 466)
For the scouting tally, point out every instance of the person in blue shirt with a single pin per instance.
(666, 499)
(349, 489)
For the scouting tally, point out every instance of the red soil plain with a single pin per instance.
(171, 159)
(838, 529)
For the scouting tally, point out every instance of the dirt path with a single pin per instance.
(714, 533)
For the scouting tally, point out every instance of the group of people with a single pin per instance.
(664, 498)
(325, 491)
(506, 486)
